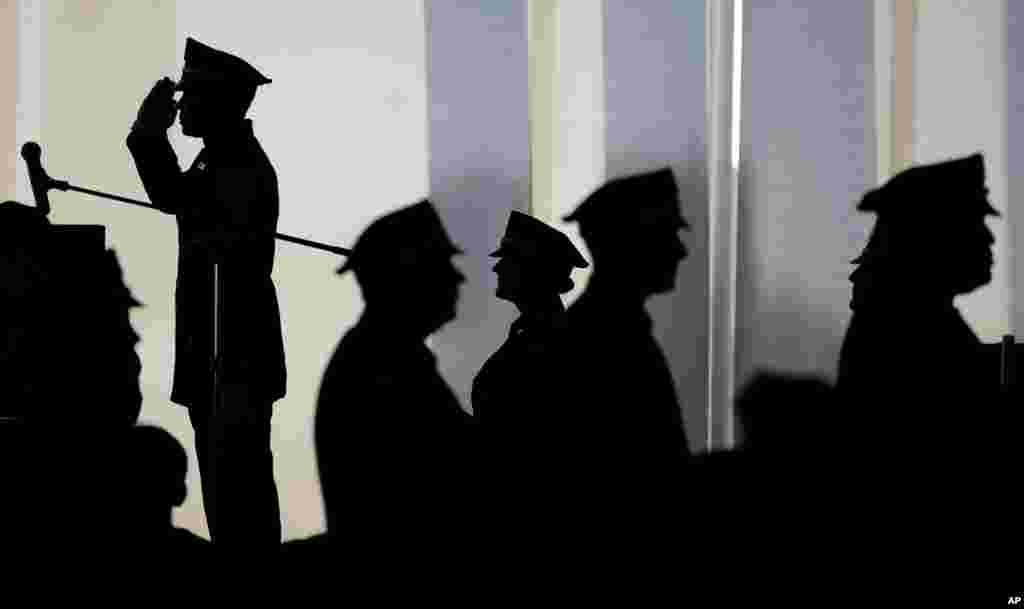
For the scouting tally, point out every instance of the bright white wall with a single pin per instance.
(960, 107)
(28, 85)
(9, 95)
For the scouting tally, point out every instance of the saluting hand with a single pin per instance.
(158, 110)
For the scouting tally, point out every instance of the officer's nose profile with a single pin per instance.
(684, 252)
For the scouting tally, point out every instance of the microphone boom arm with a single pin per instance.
(42, 183)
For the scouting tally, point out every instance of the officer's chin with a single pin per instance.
(504, 292)
(666, 285)
(979, 281)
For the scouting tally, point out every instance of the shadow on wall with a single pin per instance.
(681, 317)
(475, 220)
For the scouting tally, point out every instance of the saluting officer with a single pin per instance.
(226, 206)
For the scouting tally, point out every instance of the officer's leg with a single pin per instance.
(247, 494)
(200, 419)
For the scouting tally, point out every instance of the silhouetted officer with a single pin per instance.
(632, 420)
(393, 444)
(921, 409)
(154, 470)
(909, 362)
(226, 205)
(519, 393)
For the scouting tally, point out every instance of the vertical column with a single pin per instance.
(477, 68)
(901, 126)
(9, 96)
(567, 122)
(1013, 215)
(544, 74)
(808, 154)
(723, 95)
(655, 109)
(893, 50)
(30, 57)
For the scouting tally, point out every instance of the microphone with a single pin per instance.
(41, 183)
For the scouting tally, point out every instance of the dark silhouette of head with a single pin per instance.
(782, 413)
(98, 362)
(631, 227)
(217, 89)
(930, 233)
(156, 467)
(534, 261)
(24, 282)
(114, 302)
(403, 263)
(69, 347)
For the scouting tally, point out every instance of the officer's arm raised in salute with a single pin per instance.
(155, 159)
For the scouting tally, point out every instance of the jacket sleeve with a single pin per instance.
(158, 169)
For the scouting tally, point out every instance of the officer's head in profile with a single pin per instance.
(534, 261)
(114, 302)
(931, 226)
(631, 227)
(782, 413)
(155, 468)
(403, 264)
(217, 89)
(68, 346)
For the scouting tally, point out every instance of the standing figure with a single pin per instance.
(518, 392)
(921, 412)
(226, 206)
(393, 443)
(632, 425)
(908, 353)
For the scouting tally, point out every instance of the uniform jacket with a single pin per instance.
(627, 393)
(226, 205)
(392, 441)
(916, 363)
